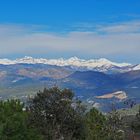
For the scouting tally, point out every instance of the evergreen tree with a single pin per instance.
(13, 122)
(56, 115)
(96, 122)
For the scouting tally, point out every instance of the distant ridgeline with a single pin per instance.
(96, 82)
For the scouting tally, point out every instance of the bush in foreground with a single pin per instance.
(53, 114)
(56, 115)
(13, 122)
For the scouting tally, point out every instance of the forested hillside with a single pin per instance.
(54, 114)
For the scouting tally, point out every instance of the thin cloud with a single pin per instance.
(127, 27)
(116, 39)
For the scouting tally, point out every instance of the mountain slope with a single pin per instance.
(102, 65)
(87, 78)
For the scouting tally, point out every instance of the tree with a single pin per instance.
(13, 122)
(114, 126)
(57, 115)
(96, 123)
(135, 126)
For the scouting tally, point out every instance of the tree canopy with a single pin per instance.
(57, 115)
(13, 122)
(54, 114)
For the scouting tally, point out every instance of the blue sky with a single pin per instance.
(62, 28)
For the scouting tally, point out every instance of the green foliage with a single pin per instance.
(53, 114)
(56, 115)
(95, 125)
(13, 122)
(115, 125)
(135, 125)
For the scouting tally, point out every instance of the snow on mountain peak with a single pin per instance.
(104, 60)
(6, 61)
(137, 67)
(102, 63)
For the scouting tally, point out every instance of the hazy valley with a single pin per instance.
(94, 81)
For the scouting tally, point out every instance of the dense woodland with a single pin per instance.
(54, 114)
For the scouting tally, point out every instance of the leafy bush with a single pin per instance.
(13, 122)
(56, 115)
(96, 124)
(53, 114)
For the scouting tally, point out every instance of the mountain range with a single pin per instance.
(99, 82)
(102, 64)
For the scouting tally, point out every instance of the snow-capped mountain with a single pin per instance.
(87, 78)
(102, 64)
(137, 67)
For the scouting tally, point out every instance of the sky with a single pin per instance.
(87, 29)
